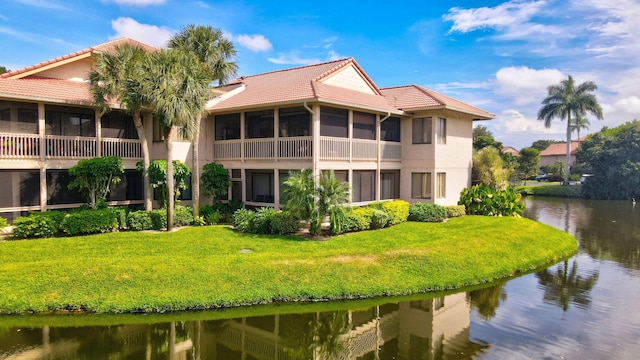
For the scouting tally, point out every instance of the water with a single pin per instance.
(583, 308)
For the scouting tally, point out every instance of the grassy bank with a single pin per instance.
(209, 267)
(556, 190)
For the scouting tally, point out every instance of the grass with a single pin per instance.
(203, 267)
(556, 190)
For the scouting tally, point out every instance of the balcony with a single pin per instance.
(28, 146)
(331, 148)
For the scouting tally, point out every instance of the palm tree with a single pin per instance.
(332, 195)
(114, 77)
(215, 52)
(565, 99)
(176, 86)
(580, 122)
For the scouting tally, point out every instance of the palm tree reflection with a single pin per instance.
(567, 285)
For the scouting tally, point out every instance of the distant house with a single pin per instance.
(404, 142)
(557, 152)
(510, 150)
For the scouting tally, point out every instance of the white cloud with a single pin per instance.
(615, 26)
(506, 15)
(149, 34)
(293, 59)
(137, 2)
(255, 43)
(45, 4)
(526, 85)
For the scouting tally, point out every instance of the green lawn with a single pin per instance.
(551, 189)
(205, 267)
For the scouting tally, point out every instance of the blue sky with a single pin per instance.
(497, 55)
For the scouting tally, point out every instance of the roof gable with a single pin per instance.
(556, 149)
(350, 76)
(71, 65)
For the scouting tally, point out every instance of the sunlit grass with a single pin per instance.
(207, 267)
(555, 190)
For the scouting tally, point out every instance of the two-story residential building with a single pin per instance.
(404, 142)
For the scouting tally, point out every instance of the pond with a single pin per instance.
(583, 308)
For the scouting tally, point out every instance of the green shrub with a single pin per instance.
(379, 219)
(199, 221)
(358, 219)
(454, 211)
(182, 215)
(139, 220)
(121, 216)
(89, 222)
(262, 220)
(213, 218)
(158, 219)
(398, 211)
(483, 200)
(38, 225)
(284, 223)
(243, 220)
(3, 223)
(427, 212)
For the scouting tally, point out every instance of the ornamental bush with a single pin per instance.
(3, 223)
(38, 225)
(483, 200)
(158, 219)
(454, 211)
(262, 220)
(243, 219)
(358, 219)
(379, 219)
(139, 220)
(121, 216)
(89, 222)
(284, 223)
(427, 212)
(182, 215)
(398, 211)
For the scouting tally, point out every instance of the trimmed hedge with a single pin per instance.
(265, 220)
(182, 215)
(38, 225)
(398, 211)
(379, 219)
(89, 222)
(427, 212)
(454, 211)
(284, 223)
(158, 219)
(139, 220)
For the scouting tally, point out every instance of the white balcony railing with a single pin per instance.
(332, 148)
(364, 149)
(228, 149)
(19, 146)
(124, 148)
(70, 147)
(299, 147)
(391, 150)
(259, 148)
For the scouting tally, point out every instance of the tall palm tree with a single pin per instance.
(215, 52)
(567, 99)
(580, 122)
(177, 87)
(114, 77)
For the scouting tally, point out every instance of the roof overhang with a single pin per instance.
(314, 100)
(477, 116)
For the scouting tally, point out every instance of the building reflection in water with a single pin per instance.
(421, 329)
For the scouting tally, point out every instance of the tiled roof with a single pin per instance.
(559, 149)
(510, 150)
(104, 47)
(46, 89)
(413, 98)
(301, 84)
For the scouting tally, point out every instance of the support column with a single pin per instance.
(315, 132)
(378, 158)
(276, 188)
(98, 116)
(243, 178)
(350, 134)
(242, 136)
(42, 128)
(276, 135)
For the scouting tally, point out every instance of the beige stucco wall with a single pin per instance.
(77, 70)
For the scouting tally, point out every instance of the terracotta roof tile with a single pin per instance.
(414, 97)
(298, 85)
(104, 47)
(54, 90)
(559, 149)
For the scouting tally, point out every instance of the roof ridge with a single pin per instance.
(287, 69)
(339, 65)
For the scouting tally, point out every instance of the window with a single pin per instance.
(441, 131)
(236, 190)
(441, 186)
(117, 124)
(363, 186)
(390, 129)
(421, 185)
(261, 187)
(18, 117)
(258, 124)
(422, 131)
(334, 122)
(294, 121)
(130, 188)
(227, 126)
(58, 190)
(364, 125)
(68, 121)
(389, 185)
(26, 183)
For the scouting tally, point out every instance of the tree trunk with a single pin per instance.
(195, 169)
(170, 188)
(137, 120)
(568, 158)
